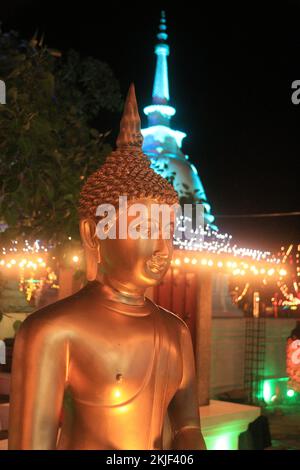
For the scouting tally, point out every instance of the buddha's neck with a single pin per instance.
(121, 293)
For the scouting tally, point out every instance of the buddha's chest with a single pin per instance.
(124, 360)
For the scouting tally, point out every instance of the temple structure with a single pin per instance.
(163, 144)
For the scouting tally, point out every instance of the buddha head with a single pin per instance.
(127, 213)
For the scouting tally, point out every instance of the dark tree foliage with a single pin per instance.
(47, 144)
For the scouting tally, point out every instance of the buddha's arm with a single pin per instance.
(183, 409)
(37, 388)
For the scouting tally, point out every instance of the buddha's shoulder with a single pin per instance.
(172, 319)
(176, 324)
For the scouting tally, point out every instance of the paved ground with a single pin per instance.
(285, 427)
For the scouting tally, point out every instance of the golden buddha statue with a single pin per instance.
(126, 362)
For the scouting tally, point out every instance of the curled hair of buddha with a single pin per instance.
(126, 171)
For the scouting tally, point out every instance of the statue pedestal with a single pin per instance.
(222, 422)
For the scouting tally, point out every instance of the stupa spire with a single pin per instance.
(130, 127)
(162, 35)
(160, 93)
(162, 144)
(160, 112)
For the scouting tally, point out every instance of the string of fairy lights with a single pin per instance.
(284, 292)
(206, 249)
(291, 256)
(243, 293)
(24, 256)
(211, 241)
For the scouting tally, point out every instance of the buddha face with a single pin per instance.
(142, 257)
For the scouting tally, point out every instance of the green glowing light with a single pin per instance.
(267, 394)
(290, 393)
(223, 442)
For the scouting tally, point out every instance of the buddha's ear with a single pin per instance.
(87, 229)
(91, 247)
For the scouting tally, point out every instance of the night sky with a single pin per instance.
(230, 71)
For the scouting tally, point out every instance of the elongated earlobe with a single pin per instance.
(91, 247)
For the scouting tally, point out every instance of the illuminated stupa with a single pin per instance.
(162, 144)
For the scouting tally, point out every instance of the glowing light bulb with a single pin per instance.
(194, 261)
(177, 261)
(75, 259)
(282, 272)
(186, 259)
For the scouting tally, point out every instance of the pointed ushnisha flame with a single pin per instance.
(130, 127)
(126, 171)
